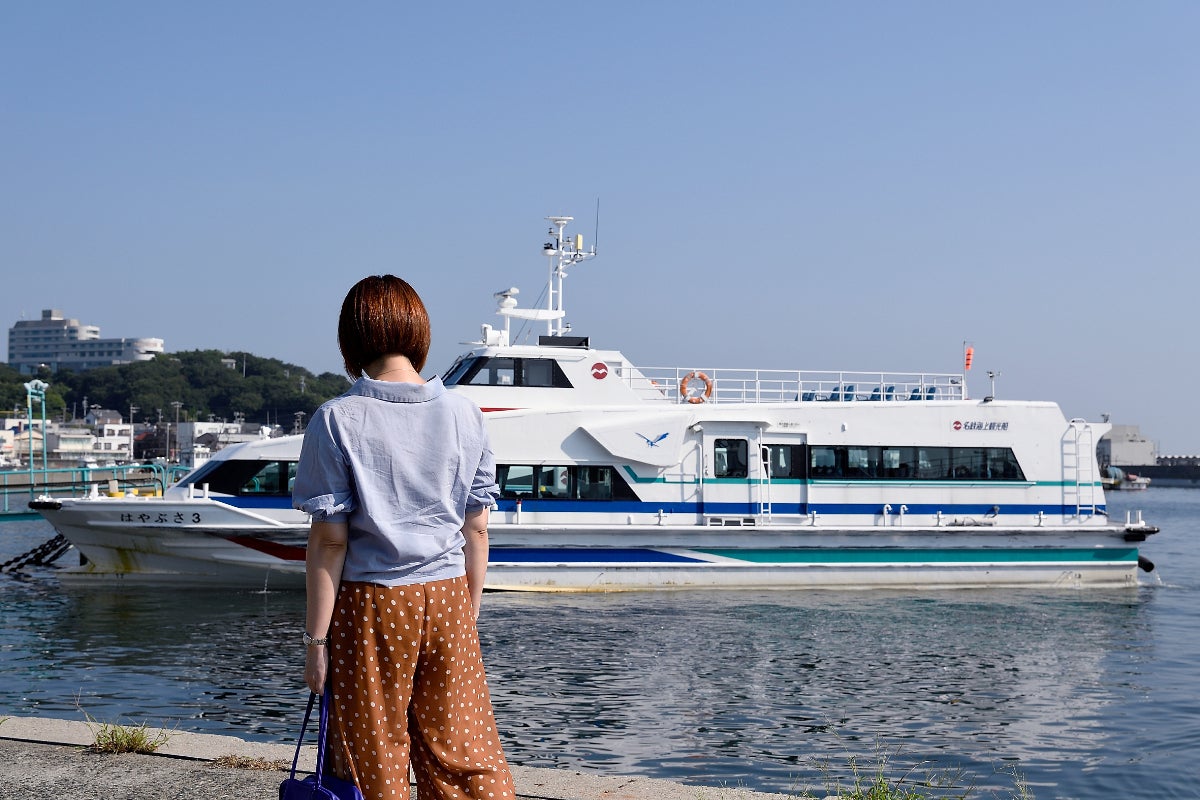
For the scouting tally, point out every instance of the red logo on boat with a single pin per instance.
(957, 425)
(599, 370)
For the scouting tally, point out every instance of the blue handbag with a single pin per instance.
(321, 786)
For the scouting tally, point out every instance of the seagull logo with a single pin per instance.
(653, 442)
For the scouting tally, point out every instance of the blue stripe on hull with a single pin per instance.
(570, 555)
(719, 509)
(783, 509)
(813, 555)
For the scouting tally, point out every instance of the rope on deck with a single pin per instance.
(40, 556)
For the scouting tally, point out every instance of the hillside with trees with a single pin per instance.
(208, 385)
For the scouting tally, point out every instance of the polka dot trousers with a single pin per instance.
(408, 684)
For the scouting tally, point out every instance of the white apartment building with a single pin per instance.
(57, 342)
(71, 445)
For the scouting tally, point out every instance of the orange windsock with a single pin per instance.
(968, 357)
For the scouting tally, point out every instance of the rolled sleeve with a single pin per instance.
(484, 490)
(324, 486)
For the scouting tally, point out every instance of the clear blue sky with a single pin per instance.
(782, 184)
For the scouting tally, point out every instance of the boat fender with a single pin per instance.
(700, 376)
(1146, 564)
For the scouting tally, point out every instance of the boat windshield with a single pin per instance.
(245, 477)
(506, 371)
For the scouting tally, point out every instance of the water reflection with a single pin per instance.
(718, 686)
(206, 660)
(734, 688)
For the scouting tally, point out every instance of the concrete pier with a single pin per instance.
(50, 759)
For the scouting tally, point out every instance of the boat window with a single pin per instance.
(898, 462)
(516, 481)
(914, 463)
(730, 458)
(457, 370)
(933, 463)
(554, 482)
(970, 463)
(542, 372)
(565, 482)
(823, 462)
(862, 462)
(246, 477)
(784, 460)
(1002, 465)
(491, 372)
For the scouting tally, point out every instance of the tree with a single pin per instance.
(202, 381)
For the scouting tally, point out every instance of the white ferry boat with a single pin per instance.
(614, 476)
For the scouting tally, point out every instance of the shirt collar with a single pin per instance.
(394, 392)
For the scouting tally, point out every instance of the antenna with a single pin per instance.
(596, 233)
(562, 254)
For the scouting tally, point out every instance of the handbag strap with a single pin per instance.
(322, 725)
(307, 714)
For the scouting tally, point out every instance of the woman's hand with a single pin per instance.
(316, 667)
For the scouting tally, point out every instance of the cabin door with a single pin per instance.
(783, 487)
(730, 469)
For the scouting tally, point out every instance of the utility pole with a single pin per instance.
(132, 410)
(177, 405)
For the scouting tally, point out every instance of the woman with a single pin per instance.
(398, 476)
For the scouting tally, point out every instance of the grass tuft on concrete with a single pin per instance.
(248, 762)
(109, 737)
(886, 779)
(113, 738)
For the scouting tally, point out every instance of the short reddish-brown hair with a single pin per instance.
(382, 315)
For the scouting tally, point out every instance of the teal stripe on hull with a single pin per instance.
(938, 556)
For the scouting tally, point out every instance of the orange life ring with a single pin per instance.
(708, 387)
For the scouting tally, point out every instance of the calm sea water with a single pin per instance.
(1085, 693)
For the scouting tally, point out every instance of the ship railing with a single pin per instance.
(683, 385)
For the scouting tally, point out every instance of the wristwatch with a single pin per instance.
(311, 642)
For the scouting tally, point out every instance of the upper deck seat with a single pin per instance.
(845, 392)
(877, 393)
(889, 393)
(916, 394)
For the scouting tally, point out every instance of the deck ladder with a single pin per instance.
(1079, 468)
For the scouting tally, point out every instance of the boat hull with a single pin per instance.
(127, 541)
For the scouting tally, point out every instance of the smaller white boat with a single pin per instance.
(1117, 479)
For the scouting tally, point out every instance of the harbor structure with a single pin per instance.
(58, 342)
(1126, 448)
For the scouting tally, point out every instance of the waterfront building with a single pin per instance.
(8, 447)
(69, 446)
(75, 444)
(1125, 446)
(57, 342)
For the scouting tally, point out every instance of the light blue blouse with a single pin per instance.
(402, 463)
